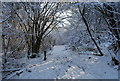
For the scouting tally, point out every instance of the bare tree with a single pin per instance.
(87, 25)
(111, 16)
(37, 21)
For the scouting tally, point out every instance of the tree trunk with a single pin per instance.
(28, 55)
(45, 55)
(36, 47)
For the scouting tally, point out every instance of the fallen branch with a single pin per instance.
(97, 54)
(15, 73)
(8, 70)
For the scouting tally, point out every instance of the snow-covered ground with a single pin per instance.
(65, 64)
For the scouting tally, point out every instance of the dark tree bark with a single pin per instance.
(45, 55)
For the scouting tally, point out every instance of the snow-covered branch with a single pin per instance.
(5, 19)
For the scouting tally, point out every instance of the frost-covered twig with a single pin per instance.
(113, 12)
(5, 19)
(8, 70)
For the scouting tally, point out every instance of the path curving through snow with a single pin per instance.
(65, 64)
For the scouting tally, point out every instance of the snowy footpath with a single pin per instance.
(65, 64)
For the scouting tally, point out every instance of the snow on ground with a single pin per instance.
(65, 64)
